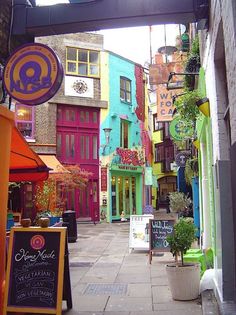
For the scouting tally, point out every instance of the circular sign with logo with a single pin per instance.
(33, 74)
(181, 158)
(180, 130)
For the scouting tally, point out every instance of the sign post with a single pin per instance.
(35, 270)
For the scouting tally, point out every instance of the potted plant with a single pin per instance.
(183, 278)
(191, 169)
(179, 202)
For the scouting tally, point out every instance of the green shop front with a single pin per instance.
(126, 182)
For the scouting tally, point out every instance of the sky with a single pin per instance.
(134, 43)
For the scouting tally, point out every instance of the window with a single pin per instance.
(164, 154)
(82, 62)
(159, 153)
(124, 134)
(166, 130)
(125, 89)
(24, 120)
(157, 125)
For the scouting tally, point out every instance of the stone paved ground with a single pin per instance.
(108, 279)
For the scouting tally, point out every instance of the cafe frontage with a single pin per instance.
(125, 191)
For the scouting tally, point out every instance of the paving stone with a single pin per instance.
(84, 303)
(129, 304)
(139, 290)
(106, 288)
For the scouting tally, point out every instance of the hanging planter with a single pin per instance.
(186, 105)
(204, 106)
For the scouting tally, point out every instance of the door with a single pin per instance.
(123, 196)
(87, 202)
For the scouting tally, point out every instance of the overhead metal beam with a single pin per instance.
(103, 14)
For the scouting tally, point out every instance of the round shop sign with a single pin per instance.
(33, 74)
(180, 130)
(181, 158)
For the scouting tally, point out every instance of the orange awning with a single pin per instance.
(52, 162)
(25, 164)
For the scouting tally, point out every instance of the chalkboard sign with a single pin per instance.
(35, 269)
(159, 229)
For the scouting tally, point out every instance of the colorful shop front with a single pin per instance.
(126, 182)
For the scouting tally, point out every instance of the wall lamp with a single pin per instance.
(107, 132)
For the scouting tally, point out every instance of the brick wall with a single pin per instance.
(45, 115)
(82, 40)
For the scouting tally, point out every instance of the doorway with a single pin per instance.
(123, 196)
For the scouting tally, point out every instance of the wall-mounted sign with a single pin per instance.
(181, 158)
(33, 74)
(179, 130)
(148, 176)
(103, 178)
(128, 156)
(79, 86)
(126, 168)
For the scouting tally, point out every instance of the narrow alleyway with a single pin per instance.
(107, 279)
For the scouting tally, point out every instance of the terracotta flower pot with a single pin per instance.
(25, 222)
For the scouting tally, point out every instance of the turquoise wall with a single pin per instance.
(117, 67)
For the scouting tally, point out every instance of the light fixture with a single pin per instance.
(178, 84)
(107, 132)
(203, 106)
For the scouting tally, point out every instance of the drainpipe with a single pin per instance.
(6, 124)
(206, 236)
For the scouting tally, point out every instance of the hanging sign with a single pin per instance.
(181, 158)
(179, 130)
(33, 74)
(165, 105)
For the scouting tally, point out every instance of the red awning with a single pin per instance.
(25, 164)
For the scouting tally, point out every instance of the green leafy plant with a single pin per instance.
(192, 64)
(191, 169)
(186, 105)
(179, 202)
(182, 238)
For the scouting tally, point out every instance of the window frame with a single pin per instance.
(32, 122)
(122, 131)
(78, 62)
(123, 88)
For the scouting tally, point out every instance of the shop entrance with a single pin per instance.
(166, 185)
(123, 196)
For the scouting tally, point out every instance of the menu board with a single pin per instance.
(35, 270)
(139, 231)
(159, 229)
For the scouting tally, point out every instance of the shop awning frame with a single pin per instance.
(25, 164)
